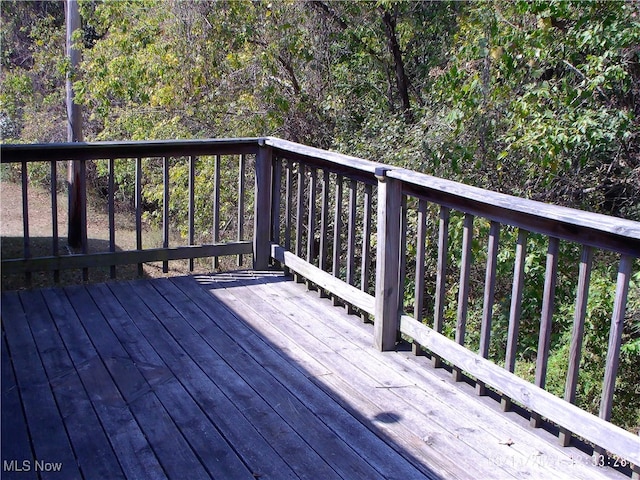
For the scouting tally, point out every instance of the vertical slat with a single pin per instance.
(54, 217)
(262, 207)
(165, 209)
(441, 274)
(420, 267)
(402, 273)
(192, 209)
(311, 219)
(26, 241)
(615, 336)
(489, 293)
(351, 232)
(337, 232)
(366, 240)
(516, 308)
(216, 207)
(387, 313)
(299, 214)
(288, 208)
(241, 189)
(324, 221)
(463, 293)
(275, 196)
(546, 320)
(111, 207)
(138, 202)
(575, 348)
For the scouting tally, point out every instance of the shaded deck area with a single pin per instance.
(241, 375)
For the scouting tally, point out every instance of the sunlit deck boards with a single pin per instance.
(239, 376)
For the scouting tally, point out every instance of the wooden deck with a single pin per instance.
(243, 375)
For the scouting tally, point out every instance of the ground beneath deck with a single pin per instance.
(243, 375)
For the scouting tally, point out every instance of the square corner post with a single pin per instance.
(387, 307)
(262, 208)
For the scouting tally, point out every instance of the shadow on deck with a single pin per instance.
(242, 375)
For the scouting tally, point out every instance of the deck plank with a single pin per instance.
(46, 427)
(15, 433)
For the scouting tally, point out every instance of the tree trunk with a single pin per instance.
(402, 82)
(77, 233)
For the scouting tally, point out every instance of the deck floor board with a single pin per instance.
(239, 376)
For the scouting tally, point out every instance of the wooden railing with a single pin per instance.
(344, 225)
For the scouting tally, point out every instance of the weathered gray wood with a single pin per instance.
(15, 433)
(463, 292)
(311, 219)
(276, 195)
(301, 180)
(262, 208)
(421, 234)
(441, 274)
(402, 272)
(351, 232)
(615, 340)
(366, 240)
(46, 428)
(216, 206)
(105, 259)
(26, 247)
(55, 247)
(241, 208)
(165, 209)
(588, 228)
(337, 232)
(386, 316)
(322, 279)
(138, 207)
(192, 205)
(594, 429)
(111, 213)
(575, 348)
(288, 208)
(324, 221)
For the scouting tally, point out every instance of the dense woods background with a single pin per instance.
(536, 99)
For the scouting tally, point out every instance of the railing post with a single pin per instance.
(262, 207)
(387, 312)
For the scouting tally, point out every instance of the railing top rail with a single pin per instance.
(11, 153)
(602, 231)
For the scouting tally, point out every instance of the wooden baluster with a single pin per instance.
(288, 207)
(191, 213)
(489, 293)
(516, 309)
(300, 215)
(26, 241)
(216, 207)
(111, 208)
(546, 320)
(311, 221)
(402, 272)
(324, 221)
(441, 275)
(387, 314)
(337, 232)
(351, 237)
(138, 206)
(366, 243)
(241, 195)
(575, 349)
(54, 217)
(421, 246)
(275, 195)
(463, 293)
(165, 209)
